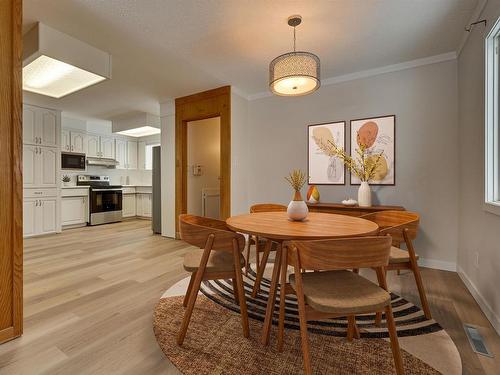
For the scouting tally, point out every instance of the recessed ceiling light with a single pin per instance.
(56, 64)
(51, 77)
(143, 131)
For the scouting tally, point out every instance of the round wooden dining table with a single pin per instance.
(276, 227)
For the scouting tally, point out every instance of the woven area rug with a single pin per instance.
(214, 343)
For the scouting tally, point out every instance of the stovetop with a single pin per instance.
(101, 182)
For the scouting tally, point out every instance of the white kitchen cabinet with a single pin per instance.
(40, 166)
(65, 140)
(40, 126)
(143, 204)
(93, 148)
(78, 142)
(121, 153)
(39, 216)
(107, 147)
(74, 210)
(131, 155)
(128, 205)
(141, 155)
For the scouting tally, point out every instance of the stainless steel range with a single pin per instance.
(105, 203)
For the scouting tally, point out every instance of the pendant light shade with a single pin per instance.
(294, 73)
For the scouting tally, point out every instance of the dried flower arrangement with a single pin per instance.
(363, 166)
(296, 179)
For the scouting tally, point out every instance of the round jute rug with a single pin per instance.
(215, 345)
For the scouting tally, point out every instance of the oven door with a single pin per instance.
(105, 206)
(73, 161)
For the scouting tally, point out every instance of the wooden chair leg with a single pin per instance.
(378, 318)
(355, 270)
(357, 334)
(247, 258)
(262, 267)
(350, 327)
(303, 329)
(398, 272)
(281, 323)
(421, 291)
(190, 307)
(398, 361)
(235, 290)
(188, 291)
(241, 290)
(271, 301)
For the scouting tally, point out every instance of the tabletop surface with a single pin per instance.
(276, 225)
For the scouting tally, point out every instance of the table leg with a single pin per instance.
(266, 331)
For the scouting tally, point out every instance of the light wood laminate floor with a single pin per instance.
(89, 294)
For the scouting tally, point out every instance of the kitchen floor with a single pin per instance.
(89, 295)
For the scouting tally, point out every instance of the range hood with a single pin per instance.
(102, 162)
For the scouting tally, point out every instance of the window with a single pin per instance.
(149, 155)
(492, 127)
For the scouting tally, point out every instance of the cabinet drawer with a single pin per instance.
(129, 190)
(144, 190)
(38, 193)
(77, 192)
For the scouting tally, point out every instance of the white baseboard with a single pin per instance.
(485, 307)
(437, 264)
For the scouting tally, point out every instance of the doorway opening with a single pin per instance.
(203, 160)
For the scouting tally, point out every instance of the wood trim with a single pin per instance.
(200, 106)
(11, 189)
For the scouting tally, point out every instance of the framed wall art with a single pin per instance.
(378, 134)
(323, 167)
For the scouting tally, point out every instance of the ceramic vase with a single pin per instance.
(297, 209)
(364, 195)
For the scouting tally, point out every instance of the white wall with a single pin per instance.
(424, 100)
(479, 233)
(203, 148)
(167, 121)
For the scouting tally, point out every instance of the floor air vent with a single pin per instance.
(476, 340)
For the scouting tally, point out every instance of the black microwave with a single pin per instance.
(73, 161)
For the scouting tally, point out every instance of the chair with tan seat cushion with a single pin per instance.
(218, 257)
(403, 228)
(333, 291)
(261, 244)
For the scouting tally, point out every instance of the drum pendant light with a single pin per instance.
(294, 73)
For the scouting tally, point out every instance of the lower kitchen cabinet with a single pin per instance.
(74, 210)
(128, 205)
(143, 204)
(39, 216)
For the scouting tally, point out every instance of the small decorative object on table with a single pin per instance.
(349, 202)
(297, 209)
(312, 194)
(362, 166)
(66, 180)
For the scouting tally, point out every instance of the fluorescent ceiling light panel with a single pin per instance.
(143, 131)
(51, 77)
(56, 64)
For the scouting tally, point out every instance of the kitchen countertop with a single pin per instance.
(74, 187)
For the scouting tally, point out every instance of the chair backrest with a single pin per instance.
(395, 222)
(195, 230)
(338, 254)
(267, 207)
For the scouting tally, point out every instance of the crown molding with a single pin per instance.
(374, 72)
(474, 17)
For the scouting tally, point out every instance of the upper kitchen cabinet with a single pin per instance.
(121, 153)
(107, 147)
(100, 147)
(93, 146)
(40, 126)
(40, 166)
(78, 142)
(131, 155)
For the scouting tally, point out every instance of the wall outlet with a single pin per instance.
(476, 259)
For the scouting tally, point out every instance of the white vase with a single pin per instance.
(297, 209)
(364, 195)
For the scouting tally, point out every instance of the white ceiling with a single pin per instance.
(164, 49)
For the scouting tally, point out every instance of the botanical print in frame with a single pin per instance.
(323, 167)
(378, 134)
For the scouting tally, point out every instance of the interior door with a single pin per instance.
(93, 146)
(48, 127)
(29, 165)
(78, 142)
(48, 167)
(107, 148)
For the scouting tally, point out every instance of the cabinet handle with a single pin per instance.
(71, 147)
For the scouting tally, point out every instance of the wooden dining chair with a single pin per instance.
(218, 257)
(403, 228)
(334, 291)
(260, 244)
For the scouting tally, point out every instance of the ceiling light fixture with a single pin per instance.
(143, 131)
(294, 73)
(56, 64)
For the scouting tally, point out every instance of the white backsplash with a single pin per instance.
(116, 176)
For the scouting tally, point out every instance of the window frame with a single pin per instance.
(492, 123)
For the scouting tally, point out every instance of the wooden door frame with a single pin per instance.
(11, 189)
(201, 106)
